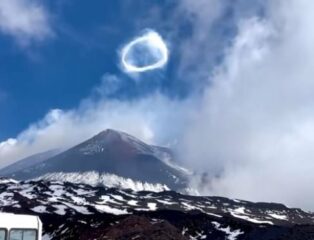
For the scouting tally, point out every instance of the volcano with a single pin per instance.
(110, 152)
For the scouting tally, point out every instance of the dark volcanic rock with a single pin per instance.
(139, 228)
(77, 211)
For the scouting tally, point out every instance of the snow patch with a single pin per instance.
(109, 180)
(40, 209)
(152, 206)
(108, 209)
(240, 213)
(278, 216)
(231, 235)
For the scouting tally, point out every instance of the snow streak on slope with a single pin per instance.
(109, 180)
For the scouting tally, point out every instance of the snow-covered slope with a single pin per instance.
(69, 209)
(109, 180)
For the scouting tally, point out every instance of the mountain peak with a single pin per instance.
(110, 135)
(113, 139)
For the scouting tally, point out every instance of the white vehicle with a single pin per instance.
(20, 227)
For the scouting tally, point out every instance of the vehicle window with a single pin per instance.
(20, 234)
(16, 235)
(2, 234)
(29, 235)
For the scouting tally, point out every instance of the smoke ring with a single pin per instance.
(155, 43)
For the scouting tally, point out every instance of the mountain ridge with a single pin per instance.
(113, 152)
(28, 161)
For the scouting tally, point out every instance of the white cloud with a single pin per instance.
(213, 23)
(254, 131)
(203, 14)
(25, 20)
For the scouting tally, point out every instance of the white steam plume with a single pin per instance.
(253, 134)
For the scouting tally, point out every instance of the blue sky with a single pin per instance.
(63, 68)
(59, 72)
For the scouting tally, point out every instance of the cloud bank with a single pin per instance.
(251, 128)
(254, 130)
(24, 20)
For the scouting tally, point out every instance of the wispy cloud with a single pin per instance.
(25, 20)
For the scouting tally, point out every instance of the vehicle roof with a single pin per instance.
(9, 221)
